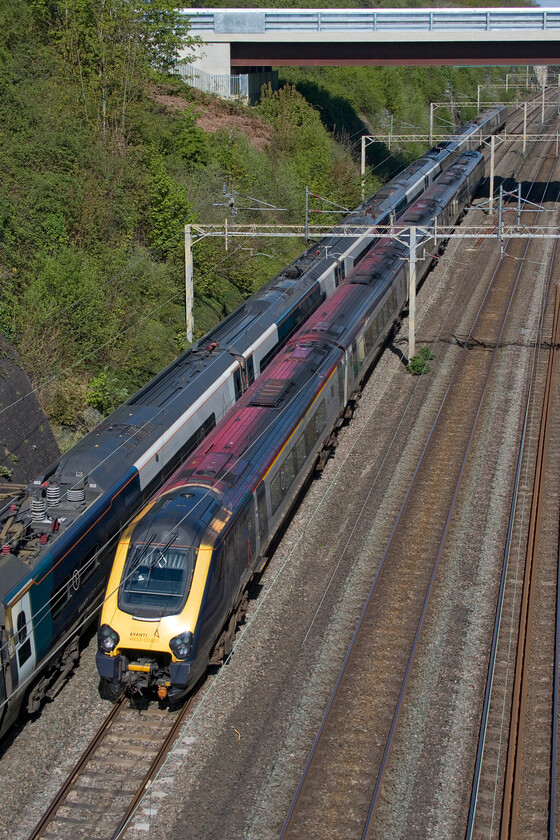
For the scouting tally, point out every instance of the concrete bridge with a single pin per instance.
(251, 38)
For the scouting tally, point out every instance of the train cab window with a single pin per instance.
(237, 384)
(156, 580)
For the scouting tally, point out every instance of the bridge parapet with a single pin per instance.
(274, 37)
(253, 21)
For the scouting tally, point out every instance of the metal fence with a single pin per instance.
(246, 86)
(224, 85)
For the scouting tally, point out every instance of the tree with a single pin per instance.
(114, 47)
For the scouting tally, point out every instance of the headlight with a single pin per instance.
(108, 638)
(181, 645)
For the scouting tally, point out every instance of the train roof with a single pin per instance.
(238, 448)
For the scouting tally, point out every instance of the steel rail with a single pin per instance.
(440, 550)
(552, 809)
(81, 768)
(287, 822)
(154, 769)
(510, 813)
(380, 569)
(500, 599)
(50, 813)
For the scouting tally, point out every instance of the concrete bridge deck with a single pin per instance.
(273, 37)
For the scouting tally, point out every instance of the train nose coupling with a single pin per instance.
(162, 692)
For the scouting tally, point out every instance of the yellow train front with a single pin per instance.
(167, 598)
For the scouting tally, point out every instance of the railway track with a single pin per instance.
(344, 778)
(515, 787)
(113, 774)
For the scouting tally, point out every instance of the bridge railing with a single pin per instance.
(321, 20)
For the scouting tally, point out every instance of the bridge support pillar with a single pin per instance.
(212, 57)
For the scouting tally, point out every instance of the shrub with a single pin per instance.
(419, 362)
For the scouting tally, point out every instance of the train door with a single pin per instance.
(24, 642)
(250, 371)
(338, 273)
(262, 514)
(237, 384)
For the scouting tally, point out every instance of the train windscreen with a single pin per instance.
(156, 579)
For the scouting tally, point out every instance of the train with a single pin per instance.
(182, 567)
(58, 534)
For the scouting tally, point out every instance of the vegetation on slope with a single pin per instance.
(106, 157)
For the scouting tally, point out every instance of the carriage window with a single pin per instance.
(315, 427)
(251, 534)
(24, 652)
(338, 273)
(290, 469)
(361, 350)
(60, 597)
(250, 370)
(299, 451)
(355, 358)
(89, 564)
(320, 419)
(21, 628)
(282, 480)
(276, 491)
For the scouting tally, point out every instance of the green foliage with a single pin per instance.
(419, 362)
(103, 163)
(298, 135)
(105, 391)
(191, 142)
(111, 47)
(6, 472)
(170, 210)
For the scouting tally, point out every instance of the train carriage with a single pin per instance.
(183, 565)
(58, 535)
